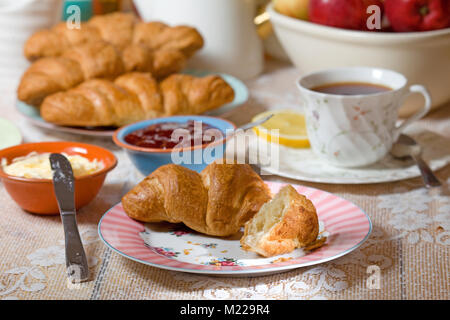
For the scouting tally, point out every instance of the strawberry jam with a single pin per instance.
(169, 135)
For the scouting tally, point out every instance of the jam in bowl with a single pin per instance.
(170, 135)
(190, 141)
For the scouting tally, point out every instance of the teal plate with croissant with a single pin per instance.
(32, 114)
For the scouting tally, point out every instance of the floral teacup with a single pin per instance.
(356, 130)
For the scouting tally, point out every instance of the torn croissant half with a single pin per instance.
(287, 222)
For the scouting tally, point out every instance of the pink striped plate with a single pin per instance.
(174, 247)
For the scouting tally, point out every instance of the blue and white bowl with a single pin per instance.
(195, 158)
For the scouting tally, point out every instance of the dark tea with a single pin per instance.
(351, 88)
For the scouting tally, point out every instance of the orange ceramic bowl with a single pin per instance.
(37, 195)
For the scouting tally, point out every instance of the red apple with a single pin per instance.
(418, 15)
(347, 14)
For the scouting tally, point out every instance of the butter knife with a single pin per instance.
(64, 184)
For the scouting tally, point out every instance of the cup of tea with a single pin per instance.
(351, 113)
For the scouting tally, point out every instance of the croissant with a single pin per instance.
(217, 202)
(134, 96)
(118, 29)
(160, 63)
(157, 35)
(287, 222)
(93, 60)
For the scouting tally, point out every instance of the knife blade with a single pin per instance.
(64, 186)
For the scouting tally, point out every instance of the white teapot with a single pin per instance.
(18, 20)
(232, 44)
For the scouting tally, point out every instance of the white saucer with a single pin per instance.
(303, 164)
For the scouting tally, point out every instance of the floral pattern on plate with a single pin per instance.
(167, 252)
(178, 232)
(224, 262)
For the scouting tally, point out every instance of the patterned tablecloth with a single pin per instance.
(410, 242)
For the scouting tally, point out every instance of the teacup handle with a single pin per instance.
(419, 114)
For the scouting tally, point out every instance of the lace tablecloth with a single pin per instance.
(409, 245)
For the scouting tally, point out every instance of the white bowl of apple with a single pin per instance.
(404, 36)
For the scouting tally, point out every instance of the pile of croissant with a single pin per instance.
(116, 70)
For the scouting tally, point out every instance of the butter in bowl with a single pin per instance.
(27, 176)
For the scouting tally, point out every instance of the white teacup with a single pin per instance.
(356, 130)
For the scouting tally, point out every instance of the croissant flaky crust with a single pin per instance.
(119, 29)
(157, 35)
(93, 60)
(133, 97)
(287, 222)
(217, 202)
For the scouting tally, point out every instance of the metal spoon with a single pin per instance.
(407, 147)
(254, 124)
(247, 126)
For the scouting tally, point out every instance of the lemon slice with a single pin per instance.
(291, 125)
